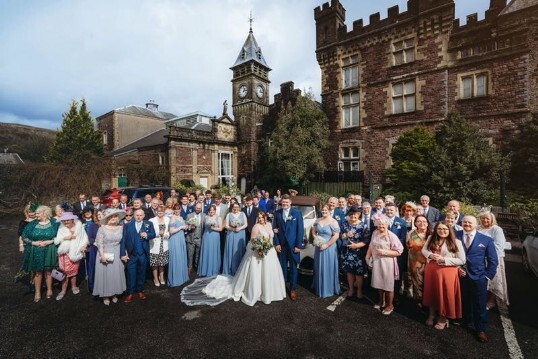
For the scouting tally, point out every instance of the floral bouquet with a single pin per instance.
(235, 223)
(262, 245)
(318, 241)
(192, 221)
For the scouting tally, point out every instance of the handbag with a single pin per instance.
(109, 257)
(58, 274)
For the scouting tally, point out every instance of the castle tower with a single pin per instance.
(250, 104)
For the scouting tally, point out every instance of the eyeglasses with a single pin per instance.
(128, 215)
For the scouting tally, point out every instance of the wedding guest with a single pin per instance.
(342, 204)
(399, 228)
(384, 248)
(208, 200)
(196, 221)
(366, 217)
(358, 200)
(454, 206)
(277, 197)
(480, 266)
(351, 201)
(158, 252)
(80, 205)
(177, 250)
(134, 251)
(124, 201)
(169, 203)
(128, 216)
(96, 203)
(354, 245)
(444, 253)
(115, 204)
(59, 209)
(497, 286)
(210, 261)
(185, 208)
(251, 212)
(379, 206)
(152, 210)
(40, 252)
(416, 260)
(91, 226)
(147, 201)
(408, 210)
(429, 212)
(450, 220)
(72, 242)
(109, 270)
(235, 224)
(29, 216)
(336, 212)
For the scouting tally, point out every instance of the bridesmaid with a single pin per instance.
(209, 264)
(235, 225)
(177, 250)
(416, 261)
(325, 281)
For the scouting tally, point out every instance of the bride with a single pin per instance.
(257, 278)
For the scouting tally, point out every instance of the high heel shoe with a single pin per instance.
(37, 299)
(156, 282)
(441, 326)
(49, 294)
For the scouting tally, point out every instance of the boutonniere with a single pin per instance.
(289, 218)
(398, 225)
(146, 226)
(337, 217)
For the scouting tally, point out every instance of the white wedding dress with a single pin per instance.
(256, 279)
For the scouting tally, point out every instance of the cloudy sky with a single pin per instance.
(176, 52)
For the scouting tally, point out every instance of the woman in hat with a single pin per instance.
(109, 269)
(40, 252)
(72, 242)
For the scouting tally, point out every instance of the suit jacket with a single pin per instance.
(374, 211)
(270, 206)
(195, 235)
(77, 207)
(251, 220)
(123, 205)
(339, 215)
(399, 228)
(432, 215)
(290, 231)
(206, 205)
(155, 243)
(223, 211)
(130, 235)
(481, 257)
(149, 214)
(184, 213)
(99, 207)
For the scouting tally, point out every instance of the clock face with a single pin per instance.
(259, 91)
(243, 91)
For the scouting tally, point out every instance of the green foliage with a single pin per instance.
(410, 156)
(232, 190)
(463, 165)
(181, 188)
(524, 176)
(77, 142)
(527, 213)
(465, 209)
(300, 136)
(322, 196)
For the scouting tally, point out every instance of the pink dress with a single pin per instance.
(384, 268)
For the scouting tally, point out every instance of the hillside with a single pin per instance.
(31, 143)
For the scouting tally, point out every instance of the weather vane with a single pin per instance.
(251, 20)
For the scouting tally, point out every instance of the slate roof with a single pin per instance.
(250, 52)
(153, 139)
(142, 111)
(516, 5)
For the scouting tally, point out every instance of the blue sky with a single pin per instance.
(176, 52)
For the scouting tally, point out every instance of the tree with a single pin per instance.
(524, 177)
(77, 142)
(463, 165)
(301, 134)
(410, 155)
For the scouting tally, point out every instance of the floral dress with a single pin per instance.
(416, 263)
(352, 260)
(160, 259)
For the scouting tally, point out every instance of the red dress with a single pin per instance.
(442, 289)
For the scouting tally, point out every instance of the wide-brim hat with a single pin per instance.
(67, 216)
(354, 209)
(110, 212)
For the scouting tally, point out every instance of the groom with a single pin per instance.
(289, 240)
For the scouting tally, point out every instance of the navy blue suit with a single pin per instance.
(290, 236)
(481, 265)
(184, 213)
(137, 248)
(207, 205)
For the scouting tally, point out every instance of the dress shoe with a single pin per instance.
(76, 290)
(387, 311)
(37, 299)
(60, 296)
(293, 295)
(114, 299)
(482, 337)
(141, 295)
(129, 298)
(441, 325)
(106, 301)
(156, 283)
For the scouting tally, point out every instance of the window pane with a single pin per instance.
(355, 97)
(398, 58)
(410, 55)
(354, 59)
(345, 152)
(398, 45)
(397, 104)
(355, 116)
(397, 90)
(345, 61)
(481, 85)
(409, 43)
(410, 103)
(409, 87)
(346, 117)
(345, 99)
(354, 166)
(467, 87)
(354, 152)
(354, 76)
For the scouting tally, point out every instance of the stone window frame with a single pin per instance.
(350, 68)
(121, 172)
(474, 77)
(404, 96)
(351, 108)
(104, 137)
(347, 155)
(221, 175)
(392, 141)
(407, 50)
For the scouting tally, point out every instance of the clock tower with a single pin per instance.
(250, 97)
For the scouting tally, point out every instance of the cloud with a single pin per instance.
(35, 122)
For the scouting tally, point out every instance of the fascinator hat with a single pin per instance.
(111, 212)
(380, 218)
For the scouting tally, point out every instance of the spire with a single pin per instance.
(250, 50)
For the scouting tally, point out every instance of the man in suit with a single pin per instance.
(342, 204)
(481, 266)
(366, 218)
(379, 206)
(185, 209)
(194, 237)
(152, 210)
(251, 212)
(96, 204)
(124, 201)
(81, 204)
(431, 213)
(336, 212)
(134, 251)
(288, 240)
(269, 204)
(208, 201)
(398, 226)
(147, 201)
(115, 204)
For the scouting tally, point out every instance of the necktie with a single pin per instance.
(138, 226)
(366, 222)
(248, 211)
(467, 240)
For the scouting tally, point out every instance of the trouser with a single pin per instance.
(473, 296)
(285, 256)
(193, 253)
(136, 273)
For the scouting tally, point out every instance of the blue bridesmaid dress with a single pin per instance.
(325, 281)
(235, 245)
(209, 264)
(177, 263)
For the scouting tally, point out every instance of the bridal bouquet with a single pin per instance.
(235, 223)
(192, 221)
(262, 245)
(318, 241)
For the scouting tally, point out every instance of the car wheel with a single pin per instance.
(525, 261)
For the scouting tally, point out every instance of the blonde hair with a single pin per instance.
(46, 211)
